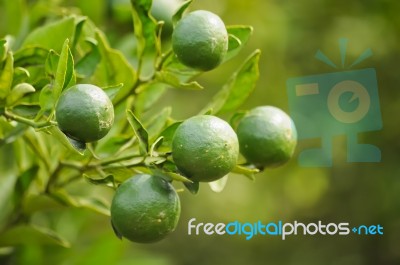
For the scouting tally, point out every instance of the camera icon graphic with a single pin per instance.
(339, 103)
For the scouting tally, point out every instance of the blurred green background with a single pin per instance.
(288, 33)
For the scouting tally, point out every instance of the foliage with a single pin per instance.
(39, 163)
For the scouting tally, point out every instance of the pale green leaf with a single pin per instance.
(239, 35)
(173, 80)
(6, 76)
(31, 234)
(179, 13)
(52, 35)
(18, 92)
(219, 184)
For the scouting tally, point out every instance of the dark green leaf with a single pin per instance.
(86, 66)
(27, 110)
(53, 35)
(140, 132)
(238, 88)
(238, 37)
(173, 80)
(18, 92)
(6, 76)
(192, 187)
(31, 234)
(79, 22)
(178, 14)
(219, 184)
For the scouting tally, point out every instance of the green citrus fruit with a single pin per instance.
(145, 209)
(84, 113)
(267, 136)
(205, 148)
(200, 40)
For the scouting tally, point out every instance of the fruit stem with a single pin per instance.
(17, 118)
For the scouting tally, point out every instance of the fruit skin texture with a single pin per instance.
(145, 209)
(205, 148)
(200, 40)
(267, 137)
(85, 113)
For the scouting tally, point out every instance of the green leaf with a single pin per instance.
(79, 23)
(219, 184)
(157, 143)
(192, 187)
(112, 91)
(51, 63)
(70, 144)
(24, 181)
(45, 100)
(20, 75)
(51, 36)
(65, 71)
(148, 94)
(107, 181)
(239, 35)
(178, 14)
(235, 119)
(240, 85)
(113, 69)
(18, 92)
(6, 76)
(157, 123)
(90, 203)
(173, 80)
(248, 172)
(169, 176)
(140, 132)
(3, 50)
(27, 110)
(168, 134)
(30, 56)
(86, 66)
(145, 27)
(31, 234)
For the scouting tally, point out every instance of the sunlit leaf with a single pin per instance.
(178, 14)
(140, 132)
(219, 184)
(237, 89)
(18, 92)
(52, 35)
(113, 69)
(30, 56)
(239, 35)
(6, 76)
(3, 50)
(157, 123)
(173, 80)
(65, 71)
(248, 172)
(31, 234)
(21, 75)
(148, 95)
